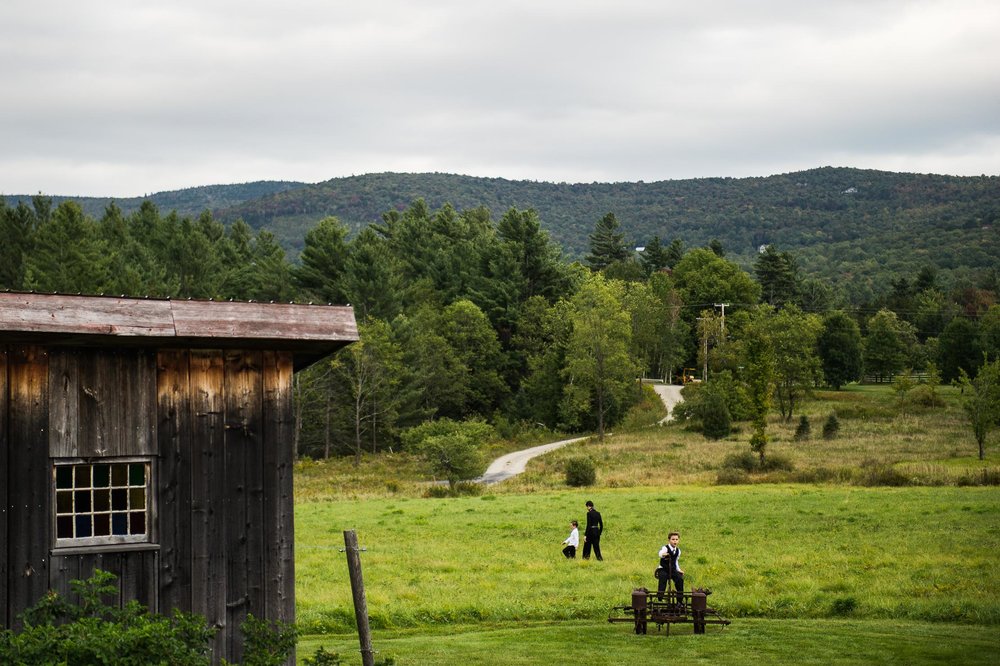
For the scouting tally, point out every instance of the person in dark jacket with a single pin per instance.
(592, 535)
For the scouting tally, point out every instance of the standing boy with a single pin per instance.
(572, 541)
(592, 535)
(669, 568)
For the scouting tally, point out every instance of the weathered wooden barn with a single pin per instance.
(153, 439)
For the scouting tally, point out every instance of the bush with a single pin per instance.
(92, 632)
(731, 476)
(803, 430)
(874, 473)
(744, 460)
(777, 463)
(580, 472)
(831, 427)
(715, 420)
(924, 395)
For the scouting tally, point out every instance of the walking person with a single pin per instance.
(669, 569)
(592, 535)
(572, 541)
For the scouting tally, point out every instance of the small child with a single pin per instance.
(670, 568)
(572, 541)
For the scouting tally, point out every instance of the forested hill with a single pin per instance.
(847, 225)
(189, 202)
(850, 226)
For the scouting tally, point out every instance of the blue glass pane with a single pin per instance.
(119, 523)
(83, 526)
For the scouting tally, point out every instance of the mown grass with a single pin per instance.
(751, 641)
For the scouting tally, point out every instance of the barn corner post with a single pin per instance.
(358, 591)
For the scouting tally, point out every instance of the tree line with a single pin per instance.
(465, 317)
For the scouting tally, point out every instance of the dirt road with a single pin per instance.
(512, 464)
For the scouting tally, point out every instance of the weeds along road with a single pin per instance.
(512, 464)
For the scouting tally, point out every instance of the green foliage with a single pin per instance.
(267, 644)
(57, 630)
(599, 371)
(580, 472)
(606, 244)
(887, 345)
(451, 448)
(839, 346)
(981, 401)
(803, 429)
(323, 658)
(714, 415)
(831, 426)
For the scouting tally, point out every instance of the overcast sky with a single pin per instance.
(131, 97)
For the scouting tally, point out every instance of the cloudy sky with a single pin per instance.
(130, 97)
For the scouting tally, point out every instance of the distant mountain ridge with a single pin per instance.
(187, 202)
(851, 226)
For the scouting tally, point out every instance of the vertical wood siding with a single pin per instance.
(219, 424)
(29, 526)
(4, 484)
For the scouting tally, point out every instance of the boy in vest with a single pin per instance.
(669, 568)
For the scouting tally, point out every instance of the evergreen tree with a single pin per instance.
(778, 276)
(674, 252)
(607, 245)
(321, 270)
(68, 256)
(372, 280)
(17, 229)
(654, 256)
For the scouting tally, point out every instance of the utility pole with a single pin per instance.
(704, 341)
(358, 590)
(723, 306)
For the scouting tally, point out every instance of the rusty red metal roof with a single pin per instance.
(314, 330)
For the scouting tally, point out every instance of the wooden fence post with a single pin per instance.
(358, 590)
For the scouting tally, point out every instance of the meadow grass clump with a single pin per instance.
(877, 473)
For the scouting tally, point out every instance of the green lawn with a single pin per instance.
(747, 641)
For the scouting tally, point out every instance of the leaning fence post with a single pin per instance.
(358, 590)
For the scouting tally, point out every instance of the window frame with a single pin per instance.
(111, 541)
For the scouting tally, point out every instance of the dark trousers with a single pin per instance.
(661, 584)
(595, 543)
(569, 552)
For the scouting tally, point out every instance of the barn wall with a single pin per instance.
(219, 425)
(27, 479)
(224, 430)
(4, 483)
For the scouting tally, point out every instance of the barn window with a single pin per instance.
(102, 503)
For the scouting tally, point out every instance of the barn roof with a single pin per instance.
(309, 331)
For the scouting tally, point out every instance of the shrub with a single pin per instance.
(803, 430)
(715, 420)
(731, 476)
(874, 473)
(580, 472)
(831, 427)
(91, 632)
(777, 463)
(744, 460)
(924, 395)
(267, 644)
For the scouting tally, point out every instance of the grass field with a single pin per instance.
(833, 572)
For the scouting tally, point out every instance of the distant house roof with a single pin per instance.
(309, 331)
